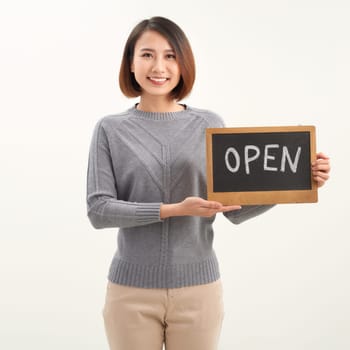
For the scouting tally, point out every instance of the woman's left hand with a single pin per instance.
(320, 169)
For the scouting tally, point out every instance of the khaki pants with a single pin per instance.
(187, 318)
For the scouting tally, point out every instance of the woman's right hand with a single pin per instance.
(195, 206)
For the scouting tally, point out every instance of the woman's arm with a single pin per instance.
(195, 206)
(104, 209)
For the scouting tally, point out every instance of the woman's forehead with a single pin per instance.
(153, 40)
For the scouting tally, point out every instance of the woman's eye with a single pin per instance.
(171, 57)
(147, 55)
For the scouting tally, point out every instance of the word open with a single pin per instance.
(252, 153)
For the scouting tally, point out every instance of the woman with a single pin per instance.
(146, 175)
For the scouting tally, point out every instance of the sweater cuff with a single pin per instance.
(148, 213)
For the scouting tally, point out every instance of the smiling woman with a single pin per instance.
(170, 45)
(155, 67)
(147, 176)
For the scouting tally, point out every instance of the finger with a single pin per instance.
(321, 157)
(321, 175)
(320, 181)
(230, 208)
(321, 161)
(211, 205)
(321, 167)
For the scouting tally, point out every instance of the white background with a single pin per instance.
(273, 62)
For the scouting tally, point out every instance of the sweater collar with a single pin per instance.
(159, 115)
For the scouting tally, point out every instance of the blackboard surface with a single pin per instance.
(262, 165)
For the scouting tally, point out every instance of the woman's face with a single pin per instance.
(155, 65)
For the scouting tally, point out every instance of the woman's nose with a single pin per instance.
(159, 65)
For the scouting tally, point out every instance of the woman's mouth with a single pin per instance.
(158, 80)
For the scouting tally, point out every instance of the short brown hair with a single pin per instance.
(179, 43)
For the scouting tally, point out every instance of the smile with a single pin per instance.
(157, 80)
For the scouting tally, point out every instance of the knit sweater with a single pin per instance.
(137, 161)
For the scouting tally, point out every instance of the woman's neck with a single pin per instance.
(159, 105)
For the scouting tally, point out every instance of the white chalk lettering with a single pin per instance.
(252, 153)
(248, 159)
(267, 157)
(237, 159)
(285, 155)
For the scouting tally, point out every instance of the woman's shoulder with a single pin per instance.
(104, 125)
(115, 118)
(213, 119)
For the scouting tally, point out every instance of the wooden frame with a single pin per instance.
(261, 197)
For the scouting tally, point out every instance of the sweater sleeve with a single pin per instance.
(104, 209)
(247, 212)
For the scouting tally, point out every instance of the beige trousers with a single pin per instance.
(188, 318)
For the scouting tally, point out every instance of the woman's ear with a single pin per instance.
(132, 68)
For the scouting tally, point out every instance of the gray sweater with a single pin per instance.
(137, 161)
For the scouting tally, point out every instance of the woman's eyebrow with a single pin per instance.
(152, 50)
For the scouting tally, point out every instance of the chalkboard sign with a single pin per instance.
(263, 165)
